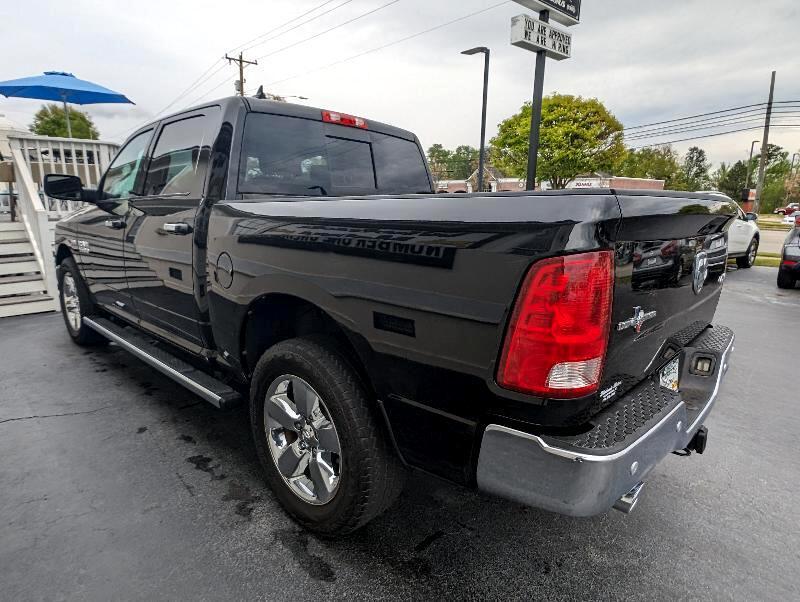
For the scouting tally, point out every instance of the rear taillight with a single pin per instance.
(343, 119)
(558, 335)
(788, 263)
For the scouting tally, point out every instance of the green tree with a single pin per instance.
(463, 162)
(731, 179)
(439, 160)
(51, 120)
(776, 178)
(694, 170)
(578, 136)
(654, 162)
(455, 164)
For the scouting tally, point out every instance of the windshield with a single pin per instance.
(295, 156)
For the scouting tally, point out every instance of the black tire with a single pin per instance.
(371, 474)
(749, 259)
(786, 280)
(82, 335)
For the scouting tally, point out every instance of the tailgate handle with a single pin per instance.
(179, 228)
(115, 224)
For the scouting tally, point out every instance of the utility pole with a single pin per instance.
(241, 63)
(762, 165)
(536, 110)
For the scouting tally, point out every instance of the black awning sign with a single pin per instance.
(566, 12)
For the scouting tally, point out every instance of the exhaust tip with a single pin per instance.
(628, 502)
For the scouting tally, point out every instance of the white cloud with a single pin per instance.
(646, 61)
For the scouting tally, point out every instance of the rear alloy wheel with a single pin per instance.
(302, 439)
(749, 260)
(320, 437)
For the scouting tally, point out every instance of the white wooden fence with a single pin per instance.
(35, 156)
(41, 155)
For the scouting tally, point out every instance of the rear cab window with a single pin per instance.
(296, 156)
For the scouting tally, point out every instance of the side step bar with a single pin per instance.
(198, 382)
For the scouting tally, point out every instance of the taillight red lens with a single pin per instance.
(788, 263)
(343, 119)
(558, 335)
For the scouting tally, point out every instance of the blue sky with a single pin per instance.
(647, 60)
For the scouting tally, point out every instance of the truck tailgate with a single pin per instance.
(670, 261)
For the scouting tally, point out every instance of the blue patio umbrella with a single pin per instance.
(56, 85)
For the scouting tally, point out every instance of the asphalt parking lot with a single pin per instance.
(116, 484)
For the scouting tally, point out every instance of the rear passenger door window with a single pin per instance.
(181, 156)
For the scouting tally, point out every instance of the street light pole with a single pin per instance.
(750, 164)
(536, 111)
(482, 153)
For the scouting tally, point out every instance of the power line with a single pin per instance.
(335, 27)
(350, 58)
(384, 46)
(247, 46)
(636, 127)
(211, 72)
(748, 112)
(758, 127)
(361, 16)
(197, 83)
(730, 122)
(303, 24)
(760, 104)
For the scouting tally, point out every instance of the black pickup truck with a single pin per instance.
(550, 348)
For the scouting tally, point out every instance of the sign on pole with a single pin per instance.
(566, 12)
(537, 35)
(532, 34)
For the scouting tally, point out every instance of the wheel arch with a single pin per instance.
(62, 252)
(276, 317)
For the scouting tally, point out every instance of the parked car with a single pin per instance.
(790, 218)
(788, 210)
(300, 260)
(744, 235)
(789, 270)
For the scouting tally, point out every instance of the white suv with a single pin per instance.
(743, 236)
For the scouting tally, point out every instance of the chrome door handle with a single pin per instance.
(115, 224)
(179, 228)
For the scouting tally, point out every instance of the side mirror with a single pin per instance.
(63, 187)
(752, 217)
(67, 188)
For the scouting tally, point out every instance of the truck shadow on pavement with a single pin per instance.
(436, 536)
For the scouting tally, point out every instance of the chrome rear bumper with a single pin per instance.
(587, 475)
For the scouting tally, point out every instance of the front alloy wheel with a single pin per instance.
(75, 304)
(749, 260)
(71, 301)
(302, 439)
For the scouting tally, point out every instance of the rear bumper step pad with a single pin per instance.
(587, 474)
